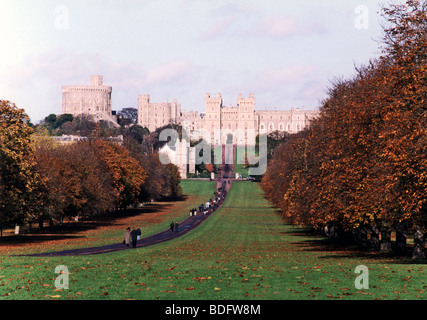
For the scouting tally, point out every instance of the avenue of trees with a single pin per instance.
(360, 170)
(41, 179)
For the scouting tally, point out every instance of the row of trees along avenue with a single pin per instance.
(361, 168)
(41, 179)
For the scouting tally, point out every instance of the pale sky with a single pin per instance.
(285, 52)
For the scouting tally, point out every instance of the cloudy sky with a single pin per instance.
(285, 52)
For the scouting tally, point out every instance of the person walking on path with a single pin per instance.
(134, 237)
(171, 226)
(138, 234)
(127, 237)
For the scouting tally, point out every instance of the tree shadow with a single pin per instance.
(71, 229)
(347, 249)
(31, 238)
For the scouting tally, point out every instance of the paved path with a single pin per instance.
(184, 227)
(225, 176)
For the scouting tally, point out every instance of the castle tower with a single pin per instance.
(143, 110)
(246, 117)
(93, 99)
(213, 116)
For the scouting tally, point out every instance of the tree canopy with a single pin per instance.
(362, 164)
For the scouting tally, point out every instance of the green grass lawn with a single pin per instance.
(243, 251)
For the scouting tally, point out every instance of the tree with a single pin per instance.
(127, 117)
(138, 133)
(127, 174)
(362, 166)
(53, 122)
(162, 181)
(17, 180)
(82, 125)
(407, 46)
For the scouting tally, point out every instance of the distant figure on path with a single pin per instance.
(171, 226)
(127, 237)
(134, 237)
(138, 234)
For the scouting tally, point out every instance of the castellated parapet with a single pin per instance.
(154, 115)
(93, 99)
(221, 124)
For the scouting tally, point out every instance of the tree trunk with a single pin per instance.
(375, 238)
(385, 239)
(41, 223)
(419, 244)
(400, 239)
(362, 238)
(331, 231)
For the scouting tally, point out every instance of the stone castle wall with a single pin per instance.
(218, 123)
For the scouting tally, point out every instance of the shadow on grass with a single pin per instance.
(30, 238)
(68, 229)
(347, 249)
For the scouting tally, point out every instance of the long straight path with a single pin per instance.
(185, 226)
(225, 175)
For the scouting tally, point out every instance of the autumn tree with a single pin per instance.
(404, 135)
(162, 181)
(362, 166)
(127, 174)
(17, 179)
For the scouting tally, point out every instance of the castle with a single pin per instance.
(219, 124)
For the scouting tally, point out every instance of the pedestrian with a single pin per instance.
(171, 226)
(176, 226)
(134, 237)
(126, 241)
(138, 233)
